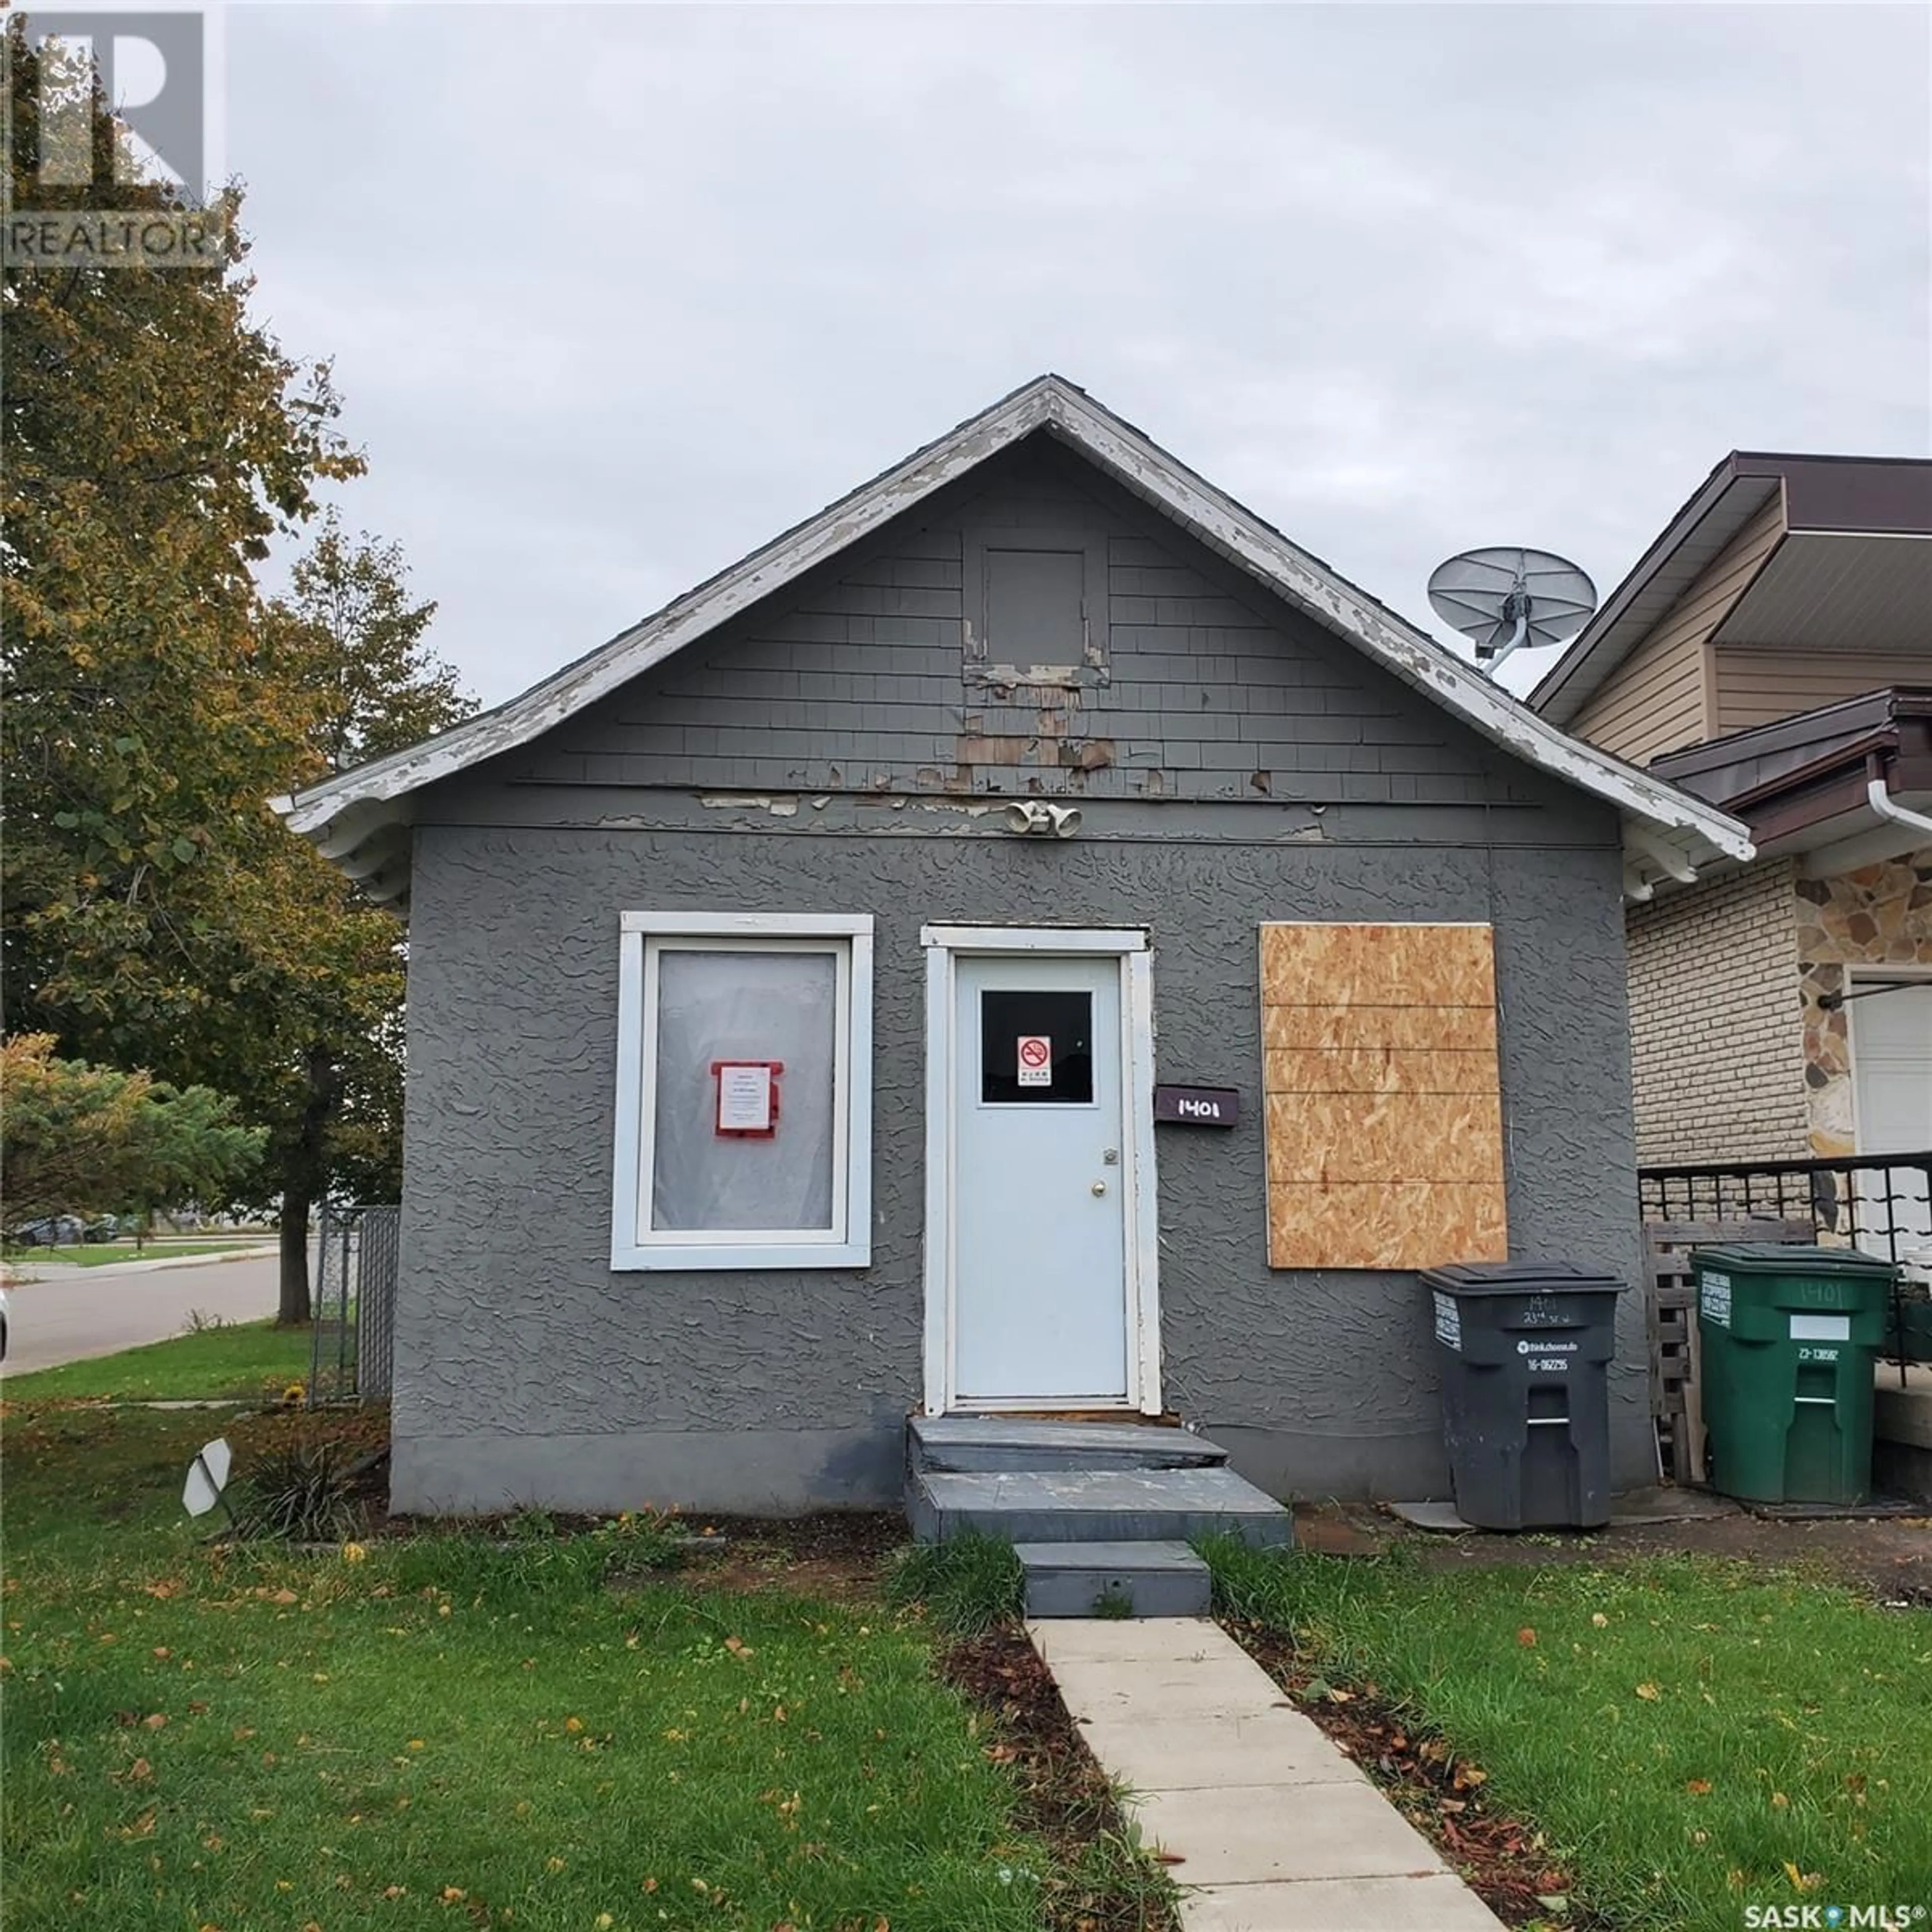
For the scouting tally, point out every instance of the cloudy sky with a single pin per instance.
(615, 293)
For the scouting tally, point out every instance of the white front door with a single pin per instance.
(1040, 1178)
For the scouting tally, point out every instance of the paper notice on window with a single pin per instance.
(1036, 1060)
(744, 1099)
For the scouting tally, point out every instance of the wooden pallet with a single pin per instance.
(1670, 1304)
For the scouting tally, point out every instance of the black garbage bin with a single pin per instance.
(1524, 1349)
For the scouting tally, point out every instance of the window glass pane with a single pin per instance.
(1032, 606)
(727, 1005)
(1036, 1047)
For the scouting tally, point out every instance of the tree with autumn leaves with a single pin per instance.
(155, 445)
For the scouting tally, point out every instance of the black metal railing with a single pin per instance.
(1879, 1203)
(354, 1341)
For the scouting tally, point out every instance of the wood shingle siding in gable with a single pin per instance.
(1759, 687)
(1206, 689)
(1659, 698)
(1383, 1096)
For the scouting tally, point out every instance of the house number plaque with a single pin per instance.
(1198, 1106)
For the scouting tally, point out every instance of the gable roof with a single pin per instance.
(1836, 497)
(359, 819)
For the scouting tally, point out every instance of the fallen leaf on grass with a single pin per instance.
(1802, 1881)
(1698, 1787)
(1526, 1637)
(1649, 1692)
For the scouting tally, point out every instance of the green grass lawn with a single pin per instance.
(98, 1254)
(442, 1732)
(1692, 1736)
(249, 1359)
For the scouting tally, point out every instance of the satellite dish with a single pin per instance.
(1504, 598)
(207, 1478)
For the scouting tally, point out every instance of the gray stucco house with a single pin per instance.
(790, 980)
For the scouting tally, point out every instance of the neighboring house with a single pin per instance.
(768, 1081)
(1772, 652)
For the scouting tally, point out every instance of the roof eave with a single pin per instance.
(343, 812)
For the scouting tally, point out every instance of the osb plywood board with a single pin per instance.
(1377, 966)
(1343, 1137)
(1448, 1029)
(1414, 1224)
(1384, 1115)
(1379, 1070)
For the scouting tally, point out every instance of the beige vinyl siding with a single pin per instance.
(1658, 699)
(1757, 686)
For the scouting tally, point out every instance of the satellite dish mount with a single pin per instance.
(1503, 598)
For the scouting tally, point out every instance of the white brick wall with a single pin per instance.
(1717, 1034)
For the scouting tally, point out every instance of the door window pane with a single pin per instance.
(1035, 1048)
(725, 1004)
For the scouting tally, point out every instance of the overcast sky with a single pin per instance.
(614, 294)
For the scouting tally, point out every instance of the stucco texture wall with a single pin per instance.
(526, 1371)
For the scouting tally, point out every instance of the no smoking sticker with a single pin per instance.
(1036, 1060)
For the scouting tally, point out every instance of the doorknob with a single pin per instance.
(1099, 1187)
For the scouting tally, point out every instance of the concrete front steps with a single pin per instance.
(1100, 1513)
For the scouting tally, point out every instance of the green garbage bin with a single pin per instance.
(1789, 1336)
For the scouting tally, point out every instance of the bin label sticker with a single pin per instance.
(1817, 1355)
(1821, 1327)
(1448, 1321)
(1546, 1358)
(1714, 1298)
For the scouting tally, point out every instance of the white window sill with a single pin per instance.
(662, 1258)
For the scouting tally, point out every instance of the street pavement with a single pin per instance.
(77, 1313)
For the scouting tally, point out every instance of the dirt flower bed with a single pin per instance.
(1065, 1798)
(1442, 1796)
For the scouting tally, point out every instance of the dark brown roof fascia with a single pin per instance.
(1875, 496)
(1872, 708)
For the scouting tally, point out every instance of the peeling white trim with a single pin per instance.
(345, 809)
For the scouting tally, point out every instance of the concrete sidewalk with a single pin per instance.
(1274, 1829)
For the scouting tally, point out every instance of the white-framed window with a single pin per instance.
(744, 1091)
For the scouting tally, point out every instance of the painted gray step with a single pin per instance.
(980, 1443)
(1095, 1506)
(1160, 1579)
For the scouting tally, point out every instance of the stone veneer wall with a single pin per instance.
(1717, 1059)
(1877, 915)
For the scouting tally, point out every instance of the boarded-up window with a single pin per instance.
(1384, 1115)
(1036, 606)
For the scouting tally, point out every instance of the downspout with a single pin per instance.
(1880, 800)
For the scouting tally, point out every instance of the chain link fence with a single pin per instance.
(354, 1342)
